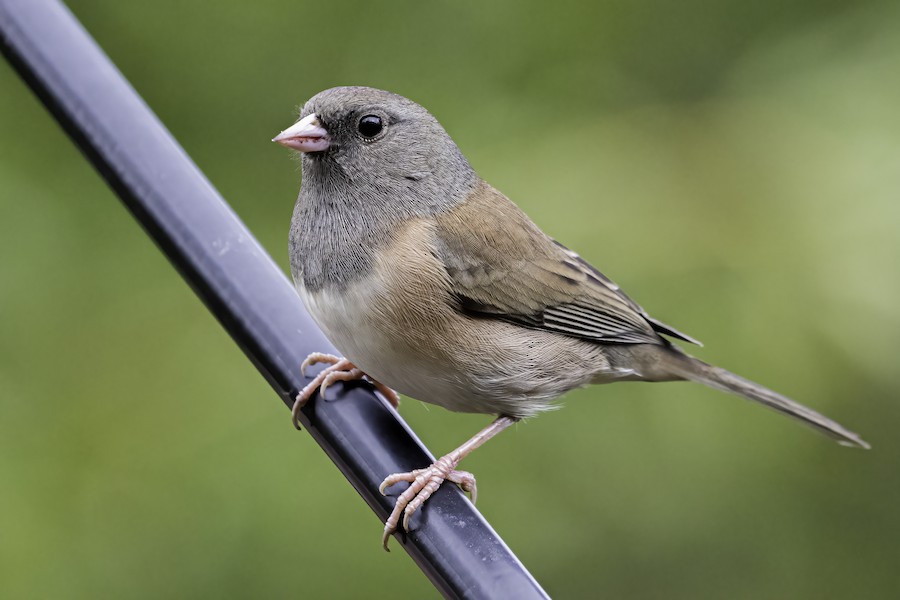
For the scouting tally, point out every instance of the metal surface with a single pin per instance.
(246, 291)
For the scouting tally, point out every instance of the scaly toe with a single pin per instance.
(466, 482)
(390, 395)
(342, 371)
(431, 481)
(397, 478)
(316, 358)
(416, 484)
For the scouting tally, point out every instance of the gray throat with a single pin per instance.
(339, 222)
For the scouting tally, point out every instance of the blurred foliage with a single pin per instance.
(734, 165)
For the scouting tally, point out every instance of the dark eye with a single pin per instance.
(370, 126)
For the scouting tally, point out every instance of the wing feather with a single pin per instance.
(511, 270)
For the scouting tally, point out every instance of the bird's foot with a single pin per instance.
(341, 369)
(423, 483)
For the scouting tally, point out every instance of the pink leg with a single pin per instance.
(425, 482)
(341, 369)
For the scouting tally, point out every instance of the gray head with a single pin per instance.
(365, 147)
(371, 159)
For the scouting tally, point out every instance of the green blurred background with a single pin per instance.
(735, 166)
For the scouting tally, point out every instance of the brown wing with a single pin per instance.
(509, 269)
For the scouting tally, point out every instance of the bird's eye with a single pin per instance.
(370, 126)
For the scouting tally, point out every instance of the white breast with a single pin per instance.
(346, 320)
(360, 326)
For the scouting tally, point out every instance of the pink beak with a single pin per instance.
(306, 135)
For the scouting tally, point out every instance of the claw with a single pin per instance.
(385, 537)
(466, 484)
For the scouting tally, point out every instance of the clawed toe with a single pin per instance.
(423, 483)
(466, 482)
(390, 395)
(318, 357)
(342, 371)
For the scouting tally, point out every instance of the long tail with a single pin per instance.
(693, 369)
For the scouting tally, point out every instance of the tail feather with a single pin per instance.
(693, 369)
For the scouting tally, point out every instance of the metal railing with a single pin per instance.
(249, 295)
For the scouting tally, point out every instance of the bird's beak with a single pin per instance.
(306, 135)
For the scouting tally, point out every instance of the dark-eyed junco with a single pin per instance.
(432, 282)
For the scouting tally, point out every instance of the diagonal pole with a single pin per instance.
(241, 285)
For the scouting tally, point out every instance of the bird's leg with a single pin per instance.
(425, 482)
(341, 369)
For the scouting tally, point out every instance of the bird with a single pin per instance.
(435, 285)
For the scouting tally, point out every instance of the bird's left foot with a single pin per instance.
(423, 483)
(341, 369)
